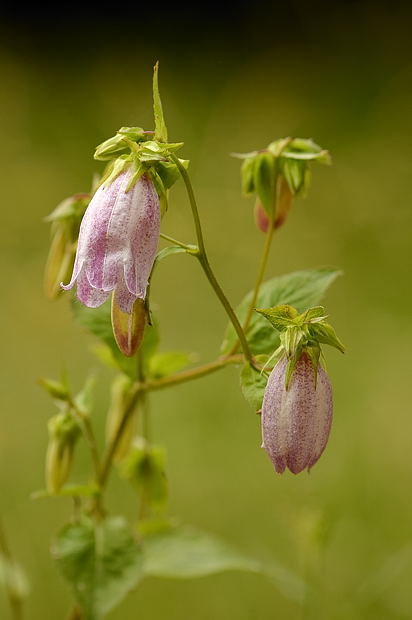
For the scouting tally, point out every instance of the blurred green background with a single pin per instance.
(232, 79)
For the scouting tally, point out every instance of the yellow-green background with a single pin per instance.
(342, 75)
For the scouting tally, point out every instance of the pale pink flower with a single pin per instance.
(117, 243)
(296, 421)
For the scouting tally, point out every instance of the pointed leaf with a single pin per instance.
(101, 564)
(253, 384)
(185, 552)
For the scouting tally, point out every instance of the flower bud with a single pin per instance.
(63, 434)
(65, 220)
(119, 401)
(283, 204)
(128, 329)
(296, 420)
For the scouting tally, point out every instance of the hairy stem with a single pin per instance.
(204, 261)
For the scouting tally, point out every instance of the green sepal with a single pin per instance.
(139, 172)
(314, 355)
(280, 317)
(160, 125)
(292, 339)
(115, 168)
(247, 172)
(325, 334)
(264, 179)
(297, 175)
(119, 143)
(56, 389)
(169, 172)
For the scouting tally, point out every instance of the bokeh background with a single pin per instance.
(233, 78)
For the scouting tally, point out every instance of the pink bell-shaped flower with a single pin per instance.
(117, 242)
(296, 421)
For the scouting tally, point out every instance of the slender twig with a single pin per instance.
(260, 274)
(186, 246)
(204, 261)
(190, 375)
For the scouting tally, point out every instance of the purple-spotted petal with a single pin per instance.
(296, 422)
(87, 294)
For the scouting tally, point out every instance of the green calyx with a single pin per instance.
(288, 158)
(301, 333)
(148, 152)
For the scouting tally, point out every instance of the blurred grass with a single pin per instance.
(347, 525)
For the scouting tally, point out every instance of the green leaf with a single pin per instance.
(160, 125)
(299, 289)
(145, 467)
(325, 334)
(101, 564)
(185, 553)
(253, 384)
(164, 364)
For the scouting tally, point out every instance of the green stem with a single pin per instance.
(204, 261)
(260, 274)
(190, 375)
(108, 457)
(176, 242)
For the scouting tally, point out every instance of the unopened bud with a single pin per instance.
(119, 402)
(65, 221)
(283, 204)
(128, 328)
(63, 434)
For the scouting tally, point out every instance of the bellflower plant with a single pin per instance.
(112, 236)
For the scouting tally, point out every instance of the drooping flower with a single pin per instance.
(117, 242)
(296, 420)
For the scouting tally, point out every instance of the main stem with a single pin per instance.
(204, 261)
